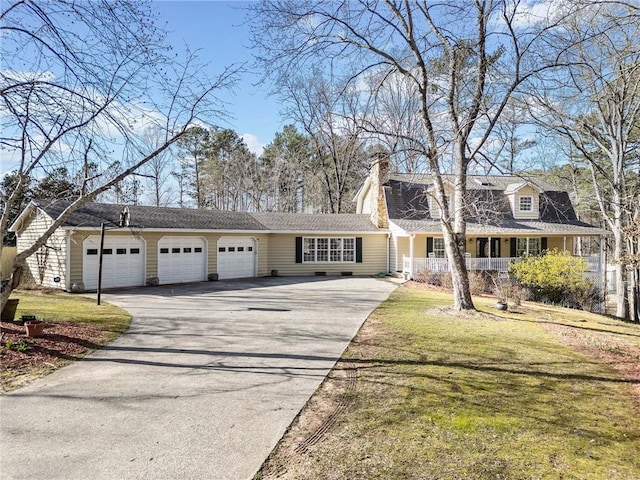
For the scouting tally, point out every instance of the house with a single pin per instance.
(173, 245)
(396, 229)
(507, 217)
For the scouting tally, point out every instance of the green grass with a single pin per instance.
(57, 306)
(492, 396)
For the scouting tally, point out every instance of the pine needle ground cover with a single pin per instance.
(426, 393)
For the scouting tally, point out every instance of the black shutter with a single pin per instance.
(298, 249)
(514, 247)
(429, 245)
(358, 249)
(543, 244)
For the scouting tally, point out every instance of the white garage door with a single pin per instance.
(182, 259)
(236, 257)
(123, 261)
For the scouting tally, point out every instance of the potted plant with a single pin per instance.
(34, 328)
(502, 289)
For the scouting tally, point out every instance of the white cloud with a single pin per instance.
(253, 143)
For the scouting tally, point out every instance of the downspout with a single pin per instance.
(67, 261)
(388, 253)
(411, 238)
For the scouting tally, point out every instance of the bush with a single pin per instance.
(479, 282)
(554, 277)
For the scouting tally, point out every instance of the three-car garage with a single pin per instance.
(181, 259)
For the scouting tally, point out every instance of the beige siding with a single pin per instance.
(367, 202)
(6, 261)
(560, 243)
(514, 199)
(282, 257)
(403, 249)
(49, 262)
(394, 266)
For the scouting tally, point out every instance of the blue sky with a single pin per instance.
(217, 29)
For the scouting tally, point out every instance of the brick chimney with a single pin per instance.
(379, 175)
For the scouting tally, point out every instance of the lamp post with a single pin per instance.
(124, 222)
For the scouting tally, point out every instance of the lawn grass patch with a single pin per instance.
(74, 326)
(482, 396)
(59, 306)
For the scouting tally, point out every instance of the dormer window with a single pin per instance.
(526, 204)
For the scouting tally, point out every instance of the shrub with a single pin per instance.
(479, 282)
(553, 277)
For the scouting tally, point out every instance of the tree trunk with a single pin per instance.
(622, 306)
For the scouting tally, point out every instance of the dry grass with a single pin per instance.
(489, 395)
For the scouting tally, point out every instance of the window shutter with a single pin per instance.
(298, 249)
(358, 249)
(514, 248)
(429, 245)
(543, 244)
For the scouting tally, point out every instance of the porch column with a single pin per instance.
(411, 238)
(490, 257)
(564, 244)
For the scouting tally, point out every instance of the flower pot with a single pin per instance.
(34, 328)
(502, 306)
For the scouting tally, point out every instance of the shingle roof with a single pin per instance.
(93, 215)
(316, 222)
(510, 227)
(409, 201)
(480, 182)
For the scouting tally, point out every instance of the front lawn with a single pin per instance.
(75, 326)
(422, 393)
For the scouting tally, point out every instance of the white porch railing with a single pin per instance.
(477, 264)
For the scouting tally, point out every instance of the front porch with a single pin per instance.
(499, 264)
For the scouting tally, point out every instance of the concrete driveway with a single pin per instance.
(202, 386)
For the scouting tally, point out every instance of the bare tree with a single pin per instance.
(595, 105)
(79, 81)
(327, 111)
(157, 171)
(463, 60)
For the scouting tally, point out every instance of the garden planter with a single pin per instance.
(502, 306)
(34, 328)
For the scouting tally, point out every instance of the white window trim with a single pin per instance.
(523, 197)
(315, 260)
(439, 252)
(529, 241)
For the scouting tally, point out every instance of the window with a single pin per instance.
(328, 250)
(186, 250)
(197, 249)
(526, 204)
(232, 249)
(222, 249)
(107, 251)
(241, 249)
(164, 250)
(249, 249)
(175, 250)
(121, 251)
(438, 247)
(528, 246)
(134, 251)
(92, 251)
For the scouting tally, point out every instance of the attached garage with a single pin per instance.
(123, 261)
(236, 257)
(182, 259)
